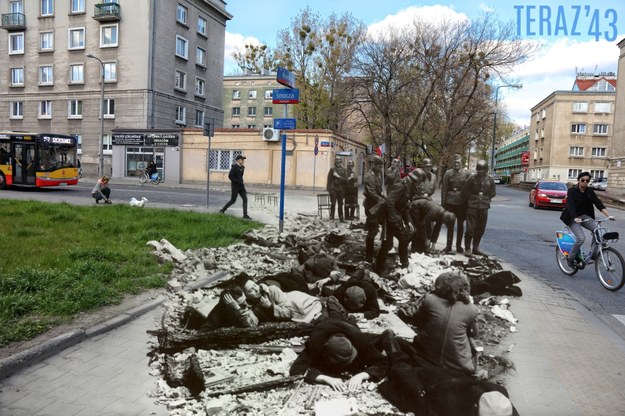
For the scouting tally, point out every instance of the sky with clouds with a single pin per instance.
(578, 36)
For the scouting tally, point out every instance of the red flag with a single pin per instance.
(380, 150)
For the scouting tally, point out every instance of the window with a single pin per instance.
(236, 126)
(576, 151)
(17, 77)
(200, 56)
(77, 6)
(236, 94)
(200, 85)
(76, 38)
(599, 151)
(544, 113)
(45, 109)
(108, 36)
(199, 118)
(573, 173)
(236, 111)
(47, 7)
(598, 174)
(579, 128)
(46, 75)
(46, 41)
(110, 72)
(74, 109)
(107, 144)
(269, 95)
(181, 14)
(181, 115)
(251, 111)
(580, 107)
(599, 129)
(109, 108)
(16, 43)
(268, 111)
(180, 82)
(76, 74)
(16, 6)
(602, 85)
(182, 47)
(201, 26)
(251, 94)
(222, 159)
(17, 110)
(79, 144)
(602, 107)
(251, 126)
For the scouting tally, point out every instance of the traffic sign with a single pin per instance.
(316, 150)
(286, 77)
(286, 96)
(284, 123)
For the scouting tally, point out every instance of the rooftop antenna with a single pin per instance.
(596, 73)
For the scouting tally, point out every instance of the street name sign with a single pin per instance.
(286, 96)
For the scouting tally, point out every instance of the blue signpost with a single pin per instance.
(286, 97)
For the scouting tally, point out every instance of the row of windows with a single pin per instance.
(76, 39)
(251, 111)
(252, 94)
(577, 151)
(182, 51)
(44, 109)
(181, 116)
(580, 128)
(250, 126)
(180, 83)
(46, 7)
(76, 74)
(600, 107)
(182, 15)
(595, 173)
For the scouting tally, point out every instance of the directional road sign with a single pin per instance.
(284, 123)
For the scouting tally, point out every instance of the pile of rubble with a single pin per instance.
(231, 371)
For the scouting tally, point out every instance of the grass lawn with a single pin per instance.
(57, 260)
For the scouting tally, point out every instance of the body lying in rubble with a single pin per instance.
(335, 347)
(231, 310)
(359, 298)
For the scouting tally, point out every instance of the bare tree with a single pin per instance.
(255, 59)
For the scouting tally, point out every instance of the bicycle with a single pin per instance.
(609, 263)
(145, 177)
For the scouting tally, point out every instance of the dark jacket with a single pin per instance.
(236, 176)
(222, 317)
(313, 360)
(478, 191)
(580, 203)
(371, 308)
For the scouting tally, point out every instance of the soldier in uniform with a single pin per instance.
(428, 218)
(398, 220)
(337, 177)
(477, 191)
(452, 201)
(351, 192)
(428, 186)
(373, 204)
(392, 175)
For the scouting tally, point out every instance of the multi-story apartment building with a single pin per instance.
(248, 101)
(511, 157)
(616, 167)
(161, 61)
(570, 131)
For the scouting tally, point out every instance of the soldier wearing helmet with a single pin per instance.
(351, 191)
(337, 178)
(427, 187)
(392, 174)
(477, 191)
(452, 201)
(373, 204)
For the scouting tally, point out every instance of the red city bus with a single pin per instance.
(38, 159)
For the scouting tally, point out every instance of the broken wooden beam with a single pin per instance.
(264, 386)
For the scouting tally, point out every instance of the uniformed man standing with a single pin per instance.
(477, 191)
(337, 178)
(373, 204)
(351, 191)
(452, 201)
(427, 187)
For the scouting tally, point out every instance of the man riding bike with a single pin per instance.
(580, 212)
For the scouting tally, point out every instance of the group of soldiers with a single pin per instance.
(342, 186)
(406, 210)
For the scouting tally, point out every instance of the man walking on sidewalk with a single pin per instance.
(237, 186)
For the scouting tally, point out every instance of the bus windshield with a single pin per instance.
(57, 152)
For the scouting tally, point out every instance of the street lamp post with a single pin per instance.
(492, 150)
(101, 149)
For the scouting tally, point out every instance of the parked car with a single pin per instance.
(497, 180)
(548, 194)
(600, 184)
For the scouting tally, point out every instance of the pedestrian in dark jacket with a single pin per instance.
(580, 212)
(336, 346)
(236, 185)
(359, 298)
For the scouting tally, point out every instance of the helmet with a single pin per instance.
(482, 166)
(426, 163)
(377, 159)
(417, 175)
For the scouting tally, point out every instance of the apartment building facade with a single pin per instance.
(571, 131)
(512, 157)
(616, 166)
(161, 61)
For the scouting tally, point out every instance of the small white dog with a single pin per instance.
(134, 202)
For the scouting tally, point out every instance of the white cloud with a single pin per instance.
(486, 9)
(405, 18)
(235, 42)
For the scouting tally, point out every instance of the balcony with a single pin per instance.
(13, 21)
(107, 12)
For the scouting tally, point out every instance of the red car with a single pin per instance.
(548, 194)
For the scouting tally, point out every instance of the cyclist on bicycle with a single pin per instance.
(580, 212)
(152, 170)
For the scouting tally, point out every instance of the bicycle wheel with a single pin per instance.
(156, 181)
(610, 269)
(563, 263)
(143, 178)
